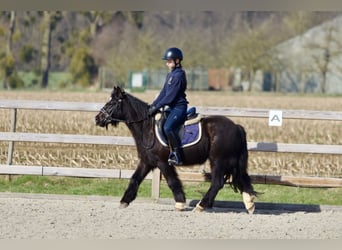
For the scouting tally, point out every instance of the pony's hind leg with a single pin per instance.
(242, 182)
(248, 200)
(241, 179)
(248, 193)
(217, 183)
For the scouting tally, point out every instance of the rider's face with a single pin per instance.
(171, 63)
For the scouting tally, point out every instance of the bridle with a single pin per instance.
(108, 118)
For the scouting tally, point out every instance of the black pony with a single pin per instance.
(222, 142)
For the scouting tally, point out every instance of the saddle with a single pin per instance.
(189, 133)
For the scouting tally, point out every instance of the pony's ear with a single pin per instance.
(120, 92)
(115, 90)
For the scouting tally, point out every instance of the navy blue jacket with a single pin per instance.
(173, 92)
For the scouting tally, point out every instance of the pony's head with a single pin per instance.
(121, 107)
(112, 111)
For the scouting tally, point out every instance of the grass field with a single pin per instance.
(115, 188)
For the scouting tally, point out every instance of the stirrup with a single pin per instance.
(174, 159)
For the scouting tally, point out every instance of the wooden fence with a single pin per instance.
(13, 136)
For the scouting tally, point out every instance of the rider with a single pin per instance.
(173, 95)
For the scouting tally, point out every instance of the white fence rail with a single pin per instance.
(233, 112)
(13, 136)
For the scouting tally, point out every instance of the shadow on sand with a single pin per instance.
(260, 207)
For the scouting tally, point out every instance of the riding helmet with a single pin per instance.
(173, 53)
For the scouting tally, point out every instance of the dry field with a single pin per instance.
(95, 156)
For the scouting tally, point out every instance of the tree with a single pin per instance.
(96, 20)
(250, 51)
(298, 21)
(11, 77)
(46, 48)
(324, 50)
(135, 40)
(83, 67)
(49, 22)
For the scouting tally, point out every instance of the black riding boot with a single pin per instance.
(176, 155)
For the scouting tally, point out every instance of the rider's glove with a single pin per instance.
(152, 110)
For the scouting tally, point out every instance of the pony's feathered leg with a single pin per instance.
(217, 183)
(131, 192)
(248, 200)
(174, 184)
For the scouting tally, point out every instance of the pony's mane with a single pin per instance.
(139, 106)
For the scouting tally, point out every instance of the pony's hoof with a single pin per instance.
(251, 209)
(198, 208)
(123, 205)
(180, 206)
(248, 200)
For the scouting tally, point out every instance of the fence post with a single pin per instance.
(11, 143)
(156, 183)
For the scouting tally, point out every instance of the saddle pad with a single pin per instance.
(189, 134)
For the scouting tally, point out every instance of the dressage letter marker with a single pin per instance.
(275, 118)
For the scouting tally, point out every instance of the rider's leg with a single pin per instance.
(175, 119)
(176, 155)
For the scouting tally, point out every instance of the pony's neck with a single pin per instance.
(142, 130)
(143, 134)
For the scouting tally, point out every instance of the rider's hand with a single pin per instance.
(152, 110)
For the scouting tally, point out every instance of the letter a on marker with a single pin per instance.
(275, 118)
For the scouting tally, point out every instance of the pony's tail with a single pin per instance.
(241, 180)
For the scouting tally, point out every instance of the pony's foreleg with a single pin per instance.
(133, 186)
(175, 185)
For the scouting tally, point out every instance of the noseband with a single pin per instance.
(108, 117)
